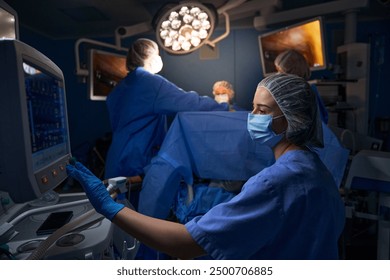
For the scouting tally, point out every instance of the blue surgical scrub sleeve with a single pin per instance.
(137, 109)
(291, 210)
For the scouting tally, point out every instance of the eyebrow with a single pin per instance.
(261, 105)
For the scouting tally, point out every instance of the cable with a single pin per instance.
(46, 208)
(9, 255)
(342, 139)
(40, 251)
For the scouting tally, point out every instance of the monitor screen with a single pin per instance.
(45, 97)
(306, 37)
(9, 26)
(34, 143)
(106, 69)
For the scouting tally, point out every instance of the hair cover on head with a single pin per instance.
(139, 51)
(293, 62)
(223, 87)
(298, 104)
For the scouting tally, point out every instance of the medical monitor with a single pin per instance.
(106, 69)
(9, 23)
(34, 142)
(305, 37)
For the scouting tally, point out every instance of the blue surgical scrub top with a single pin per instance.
(137, 109)
(290, 210)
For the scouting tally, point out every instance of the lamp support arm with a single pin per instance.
(84, 72)
(224, 35)
(230, 5)
(128, 31)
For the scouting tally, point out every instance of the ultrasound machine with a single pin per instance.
(36, 222)
(34, 151)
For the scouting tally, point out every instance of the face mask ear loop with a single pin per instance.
(277, 117)
(284, 132)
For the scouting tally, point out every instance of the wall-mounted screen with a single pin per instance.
(306, 37)
(9, 26)
(106, 69)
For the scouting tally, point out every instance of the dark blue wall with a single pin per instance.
(238, 62)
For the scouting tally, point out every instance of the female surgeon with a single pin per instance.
(138, 106)
(289, 210)
(293, 62)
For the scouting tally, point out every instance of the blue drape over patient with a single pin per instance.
(213, 145)
(210, 145)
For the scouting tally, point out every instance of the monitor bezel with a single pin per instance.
(17, 175)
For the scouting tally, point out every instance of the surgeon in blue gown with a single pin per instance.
(223, 91)
(289, 210)
(138, 109)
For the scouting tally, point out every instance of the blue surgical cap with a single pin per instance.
(299, 106)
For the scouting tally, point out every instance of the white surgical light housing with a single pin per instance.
(182, 28)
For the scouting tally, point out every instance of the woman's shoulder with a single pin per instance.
(286, 170)
(291, 163)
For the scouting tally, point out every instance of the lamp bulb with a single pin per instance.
(173, 15)
(184, 10)
(203, 34)
(202, 16)
(175, 23)
(165, 24)
(176, 46)
(196, 24)
(186, 45)
(195, 11)
(187, 18)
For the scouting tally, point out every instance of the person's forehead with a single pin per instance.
(221, 89)
(264, 97)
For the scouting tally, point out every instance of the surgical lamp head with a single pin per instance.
(184, 27)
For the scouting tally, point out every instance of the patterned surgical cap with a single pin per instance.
(299, 106)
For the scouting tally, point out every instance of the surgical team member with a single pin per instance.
(138, 107)
(293, 62)
(223, 91)
(290, 210)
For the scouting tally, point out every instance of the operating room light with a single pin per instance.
(185, 27)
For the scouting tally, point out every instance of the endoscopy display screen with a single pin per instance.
(106, 71)
(8, 25)
(45, 96)
(306, 38)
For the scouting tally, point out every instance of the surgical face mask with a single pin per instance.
(260, 129)
(220, 98)
(156, 64)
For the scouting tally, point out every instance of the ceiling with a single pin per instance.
(64, 19)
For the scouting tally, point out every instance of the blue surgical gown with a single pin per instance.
(290, 210)
(137, 109)
(321, 106)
